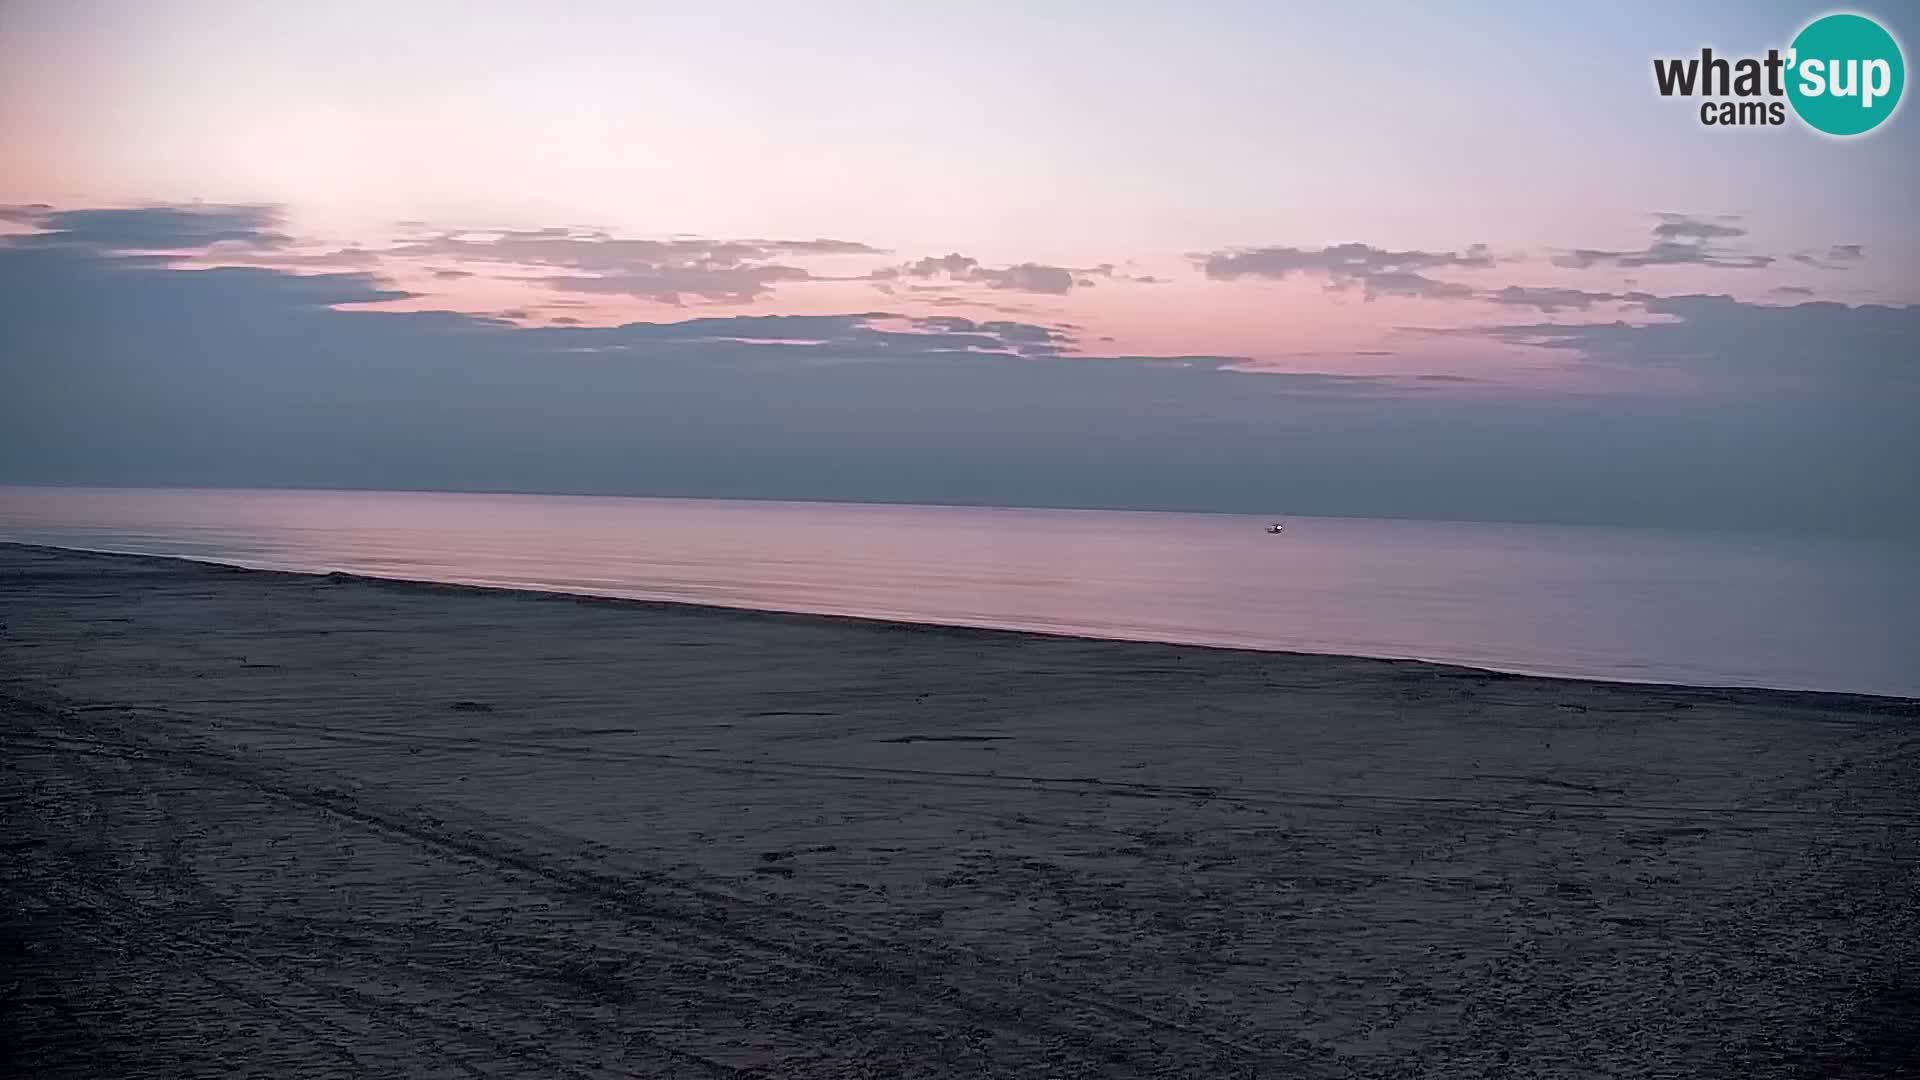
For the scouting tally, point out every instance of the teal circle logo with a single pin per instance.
(1846, 74)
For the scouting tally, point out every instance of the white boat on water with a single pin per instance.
(1276, 527)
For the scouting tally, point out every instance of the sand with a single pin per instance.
(265, 824)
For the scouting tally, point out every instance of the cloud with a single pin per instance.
(998, 335)
(1818, 341)
(347, 256)
(954, 265)
(1683, 226)
(1340, 260)
(818, 247)
(1030, 277)
(1376, 271)
(1678, 239)
(1022, 277)
(1663, 253)
(670, 271)
(673, 284)
(590, 250)
(121, 370)
(874, 336)
(677, 270)
(161, 228)
(1403, 283)
(1554, 299)
(1835, 258)
(316, 291)
(1791, 290)
(106, 285)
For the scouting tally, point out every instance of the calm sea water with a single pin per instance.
(1606, 603)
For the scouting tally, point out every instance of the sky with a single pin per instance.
(1393, 259)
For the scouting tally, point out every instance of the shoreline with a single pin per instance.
(318, 825)
(1897, 701)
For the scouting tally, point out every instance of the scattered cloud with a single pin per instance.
(1550, 299)
(1694, 332)
(1403, 283)
(1719, 335)
(1030, 277)
(998, 335)
(1022, 277)
(596, 250)
(671, 271)
(674, 284)
(1836, 257)
(78, 275)
(1375, 271)
(1687, 227)
(1678, 239)
(1340, 260)
(347, 256)
(126, 369)
(955, 265)
(174, 228)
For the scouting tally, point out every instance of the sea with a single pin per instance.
(1625, 604)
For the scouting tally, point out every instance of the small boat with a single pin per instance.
(1276, 527)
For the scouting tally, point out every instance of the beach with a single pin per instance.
(262, 823)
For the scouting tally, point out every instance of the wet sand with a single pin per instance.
(298, 826)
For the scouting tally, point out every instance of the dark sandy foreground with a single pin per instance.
(273, 825)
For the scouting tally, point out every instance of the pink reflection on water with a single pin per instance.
(1611, 603)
